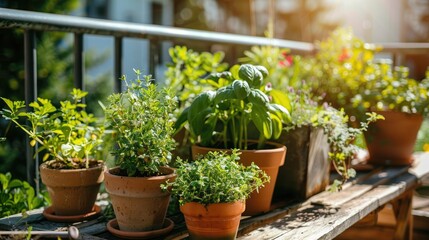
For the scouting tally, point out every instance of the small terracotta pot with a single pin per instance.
(139, 203)
(72, 191)
(391, 141)
(269, 160)
(214, 221)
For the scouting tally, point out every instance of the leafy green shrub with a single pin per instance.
(188, 68)
(17, 196)
(341, 139)
(68, 135)
(142, 120)
(391, 89)
(223, 116)
(216, 178)
(284, 69)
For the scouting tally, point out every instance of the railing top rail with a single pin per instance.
(404, 46)
(10, 18)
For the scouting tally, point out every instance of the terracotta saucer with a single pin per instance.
(112, 227)
(49, 214)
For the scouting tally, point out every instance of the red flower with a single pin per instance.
(288, 60)
(344, 55)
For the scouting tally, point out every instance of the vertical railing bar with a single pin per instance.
(30, 88)
(118, 64)
(79, 61)
(153, 57)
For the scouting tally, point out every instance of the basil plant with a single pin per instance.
(226, 116)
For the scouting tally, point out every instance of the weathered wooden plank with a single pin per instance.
(420, 166)
(322, 222)
(16, 220)
(375, 179)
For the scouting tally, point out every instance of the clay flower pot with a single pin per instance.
(139, 203)
(269, 160)
(391, 141)
(72, 191)
(214, 221)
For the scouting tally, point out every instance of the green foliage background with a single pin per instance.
(54, 73)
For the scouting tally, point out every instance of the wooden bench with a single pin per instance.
(324, 216)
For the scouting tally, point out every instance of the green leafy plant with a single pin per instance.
(69, 136)
(390, 88)
(186, 70)
(142, 120)
(224, 115)
(18, 196)
(284, 69)
(341, 139)
(336, 71)
(216, 178)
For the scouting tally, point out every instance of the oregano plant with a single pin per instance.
(142, 120)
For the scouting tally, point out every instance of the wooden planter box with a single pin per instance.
(306, 168)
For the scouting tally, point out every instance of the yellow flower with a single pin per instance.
(426, 147)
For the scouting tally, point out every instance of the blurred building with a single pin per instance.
(300, 20)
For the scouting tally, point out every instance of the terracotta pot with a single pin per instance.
(139, 203)
(269, 160)
(214, 221)
(391, 141)
(306, 169)
(72, 191)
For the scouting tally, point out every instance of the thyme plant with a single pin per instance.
(217, 177)
(340, 138)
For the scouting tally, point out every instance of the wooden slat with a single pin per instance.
(290, 220)
(322, 222)
(376, 179)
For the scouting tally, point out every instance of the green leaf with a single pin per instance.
(198, 111)
(241, 89)
(262, 120)
(234, 71)
(281, 112)
(8, 102)
(256, 96)
(223, 94)
(218, 57)
(281, 98)
(15, 183)
(66, 149)
(4, 181)
(263, 70)
(250, 74)
(207, 132)
(181, 120)
(277, 126)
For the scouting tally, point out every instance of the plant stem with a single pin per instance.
(261, 141)
(234, 132)
(225, 139)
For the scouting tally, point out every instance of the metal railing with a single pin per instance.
(31, 22)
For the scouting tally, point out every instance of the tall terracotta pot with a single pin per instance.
(306, 169)
(138, 202)
(269, 160)
(73, 191)
(214, 221)
(391, 141)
